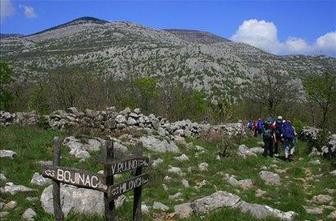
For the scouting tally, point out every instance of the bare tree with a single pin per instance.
(270, 88)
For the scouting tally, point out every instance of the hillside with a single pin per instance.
(122, 50)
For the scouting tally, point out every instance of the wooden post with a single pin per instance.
(56, 184)
(137, 215)
(109, 204)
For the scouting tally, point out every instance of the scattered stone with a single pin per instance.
(2, 205)
(29, 214)
(185, 183)
(260, 193)
(314, 210)
(262, 211)
(10, 205)
(3, 177)
(167, 178)
(183, 157)
(183, 210)
(203, 166)
(7, 154)
(332, 215)
(176, 170)
(160, 206)
(3, 214)
(78, 200)
(244, 151)
(154, 144)
(144, 209)
(270, 178)
(157, 162)
(32, 199)
(315, 162)
(333, 173)
(214, 201)
(175, 196)
(322, 199)
(39, 180)
(165, 188)
(13, 189)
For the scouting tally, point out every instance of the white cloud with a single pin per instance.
(29, 11)
(6, 9)
(264, 35)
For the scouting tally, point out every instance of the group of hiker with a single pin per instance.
(275, 133)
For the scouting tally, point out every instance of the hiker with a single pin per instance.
(277, 127)
(268, 138)
(288, 133)
(260, 126)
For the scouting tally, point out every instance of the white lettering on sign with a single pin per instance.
(128, 185)
(128, 165)
(76, 178)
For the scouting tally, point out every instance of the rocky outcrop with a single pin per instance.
(222, 199)
(7, 154)
(270, 178)
(77, 200)
(11, 188)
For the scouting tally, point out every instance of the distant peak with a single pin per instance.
(88, 19)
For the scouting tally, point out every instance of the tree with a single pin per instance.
(5, 79)
(321, 90)
(270, 88)
(147, 91)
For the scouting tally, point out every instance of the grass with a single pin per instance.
(33, 144)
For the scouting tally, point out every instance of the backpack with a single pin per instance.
(260, 124)
(288, 130)
(267, 135)
(249, 125)
(278, 127)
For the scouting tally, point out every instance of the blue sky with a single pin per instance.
(281, 27)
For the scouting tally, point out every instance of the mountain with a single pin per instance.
(126, 50)
(9, 35)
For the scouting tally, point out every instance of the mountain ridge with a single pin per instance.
(197, 59)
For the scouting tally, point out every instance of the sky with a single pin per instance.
(280, 27)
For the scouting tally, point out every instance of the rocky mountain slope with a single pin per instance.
(122, 50)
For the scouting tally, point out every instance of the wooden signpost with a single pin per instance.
(104, 183)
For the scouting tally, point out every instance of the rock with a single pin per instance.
(32, 199)
(78, 200)
(2, 177)
(180, 140)
(244, 151)
(7, 154)
(2, 205)
(77, 149)
(315, 162)
(214, 201)
(10, 205)
(126, 111)
(39, 180)
(3, 214)
(93, 145)
(176, 170)
(244, 184)
(29, 214)
(322, 199)
(73, 110)
(183, 210)
(144, 208)
(131, 121)
(154, 144)
(333, 173)
(332, 215)
(263, 211)
(314, 210)
(137, 110)
(257, 150)
(160, 206)
(164, 186)
(13, 189)
(175, 196)
(185, 183)
(183, 157)
(167, 178)
(310, 133)
(120, 119)
(260, 193)
(199, 148)
(203, 166)
(270, 178)
(157, 162)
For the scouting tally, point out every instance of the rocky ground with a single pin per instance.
(189, 178)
